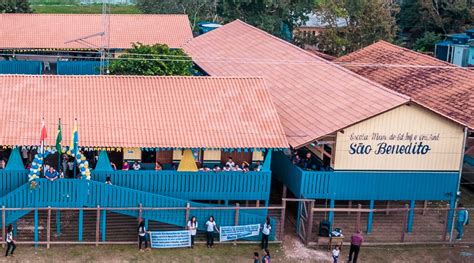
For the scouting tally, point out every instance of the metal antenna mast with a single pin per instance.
(105, 39)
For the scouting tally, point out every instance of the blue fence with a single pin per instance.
(20, 67)
(78, 68)
(194, 185)
(365, 185)
(81, 193)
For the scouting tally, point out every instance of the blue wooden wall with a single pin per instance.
(194, 185)
(11, 179)
(20, 67)
(365, 185)
(78, 68)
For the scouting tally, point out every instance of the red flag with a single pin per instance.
(43, 132)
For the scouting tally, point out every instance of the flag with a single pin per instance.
(43, 135)
(75, 140)
(59, 138)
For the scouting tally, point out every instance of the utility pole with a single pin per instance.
(105, 39)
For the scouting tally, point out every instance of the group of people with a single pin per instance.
(307, 162)
(230, 165)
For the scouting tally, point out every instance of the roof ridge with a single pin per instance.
(132, 76)
(61, 14)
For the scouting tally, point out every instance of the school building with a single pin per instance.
(371, 143)
(191, 122)
(71, 44)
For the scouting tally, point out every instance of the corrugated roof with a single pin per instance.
(313, 97)
(53, 30)
(131, 111)
(438, 85)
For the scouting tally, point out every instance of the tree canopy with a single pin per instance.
(15, 6)
(155, 60)
(366, 22)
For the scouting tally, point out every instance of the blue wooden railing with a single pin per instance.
(11, 179)
(81, 193)
(194, 185)
(365, 185)
(20, 67)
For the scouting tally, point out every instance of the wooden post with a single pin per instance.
(236, 218)
(405, 219)
(445, 230)
(58, 222)
(36, 227)
(81, 225)
(358, 224)
(104, 224)
(140, 213)
(48, 228)
(411, 215)
(97, 227)
(188, 205)
(387, 212)
(282, 221)
(3, 225)
(258, 203)
(425, 205)
(370, 218)
(350, 207)
(309, 227)
(285, 190)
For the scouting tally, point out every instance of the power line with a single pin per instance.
(180, 58)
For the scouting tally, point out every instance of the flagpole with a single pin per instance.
(73, 144)
(42, 147)
(59, 152)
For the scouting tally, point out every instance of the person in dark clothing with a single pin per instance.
(10, 241)
(142, 236)
(256, 257)
(356, 241)
(266, 257)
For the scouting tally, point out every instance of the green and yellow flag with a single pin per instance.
(59, 138)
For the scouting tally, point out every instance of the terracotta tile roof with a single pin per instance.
(53, 30)
(438, 85)
(313, 97)
(128, 111)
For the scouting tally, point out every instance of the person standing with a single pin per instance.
(356, 242)
(266, 256)
(210, 227)
(266, 229)
(462, 220)
(192, 226)
(142, 235)
(335, 253)
(10, 241)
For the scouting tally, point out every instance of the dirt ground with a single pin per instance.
(231, 253)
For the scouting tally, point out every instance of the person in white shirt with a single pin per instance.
(192, 227)
(210, 227)
(266, 229)
(237, 168)
(335, 253)
(226, 168)
(10, 241)
(230, 162)
(142, 235)
(136, 166)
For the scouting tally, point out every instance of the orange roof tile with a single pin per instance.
(437, 85)
(130, 111)
(54, 30)
(313, 97)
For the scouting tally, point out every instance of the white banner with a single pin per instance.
(170, 239)
(228, 233)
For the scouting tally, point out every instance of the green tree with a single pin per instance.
(366, 22)
(439, 16)
(155, 60)
(197, 10)
(15, 6)
(427, 42)
(276, 17)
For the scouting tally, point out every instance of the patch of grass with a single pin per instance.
(83, 9)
